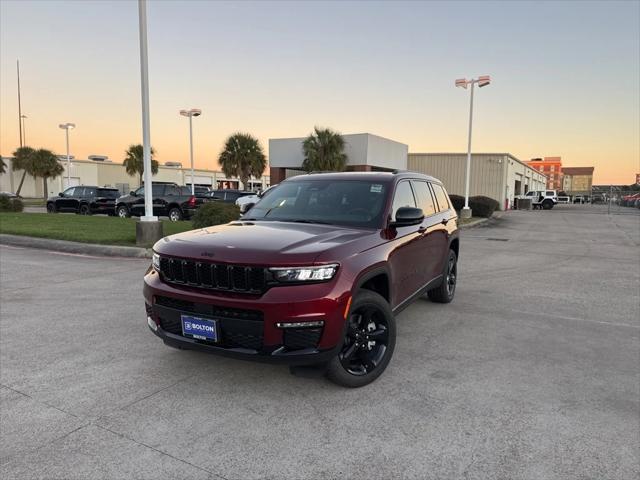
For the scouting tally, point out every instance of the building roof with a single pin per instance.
(577, 170)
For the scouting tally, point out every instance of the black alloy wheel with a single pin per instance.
(444, 292)
(84, 209)
(51, 208)
(369, 342)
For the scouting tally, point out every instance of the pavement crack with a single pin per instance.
(160, 452)
(41, 402)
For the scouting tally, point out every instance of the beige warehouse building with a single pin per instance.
(500, 176)
(112, 174)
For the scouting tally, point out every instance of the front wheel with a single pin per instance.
(447, 289)
(547, 205)
(51, 208)
(369, 340)
(122, 211)
(84, 210)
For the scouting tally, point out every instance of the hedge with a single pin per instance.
(483, 206)
(457, 201)
(215, 213)
(10, 204)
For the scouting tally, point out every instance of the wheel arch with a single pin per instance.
(377, 280)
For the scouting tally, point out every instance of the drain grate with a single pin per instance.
(498, 239)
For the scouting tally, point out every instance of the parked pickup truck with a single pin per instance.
(169, 200)
(545, 199)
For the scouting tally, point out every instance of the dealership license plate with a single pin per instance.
(200, 328)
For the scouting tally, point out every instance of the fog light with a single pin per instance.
(315, 324)
(152, 324)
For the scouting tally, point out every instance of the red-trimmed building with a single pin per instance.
(552, 168)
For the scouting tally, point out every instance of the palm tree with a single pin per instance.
(45, 165)
(22, 160)
(324, 151)
(3, 166)
(134, 163)
(242, 157)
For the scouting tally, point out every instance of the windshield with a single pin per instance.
(345, 202)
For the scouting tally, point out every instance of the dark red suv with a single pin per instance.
(312, 275)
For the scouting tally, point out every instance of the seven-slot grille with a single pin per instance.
(236, 278)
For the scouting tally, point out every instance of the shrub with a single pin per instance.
(483, 206)
(215, 213)
(10, 204)
(457, 201)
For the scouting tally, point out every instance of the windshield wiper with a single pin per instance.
(302, 220)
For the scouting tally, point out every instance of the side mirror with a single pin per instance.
(132, 193)
(61, 194)
(408, 216)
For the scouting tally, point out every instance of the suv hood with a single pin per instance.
(268, 243)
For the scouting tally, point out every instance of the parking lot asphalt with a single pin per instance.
(531, 373)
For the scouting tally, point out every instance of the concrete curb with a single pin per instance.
(74, 247)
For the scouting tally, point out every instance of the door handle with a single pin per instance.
(422, 229)
(445, 221)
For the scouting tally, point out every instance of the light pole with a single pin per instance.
(482, 81)
(194, 112)
(68, 126)
(24, 131)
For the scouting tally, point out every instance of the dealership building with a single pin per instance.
(500, 176)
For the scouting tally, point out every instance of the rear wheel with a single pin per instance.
(447, 289)
(368, 344)
(122, 211)
(175, 214)
(84, 210)
(51, 207)
(547, 205)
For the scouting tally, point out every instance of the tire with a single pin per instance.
(84, 209)
(359, 362)
(122, 211)
(547, 205)
(51, 208)
(447, 289)
(175, 214)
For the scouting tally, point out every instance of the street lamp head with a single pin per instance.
(23, 116)
(67, 126)
(194, 112)
(461, 82)
(484, 80)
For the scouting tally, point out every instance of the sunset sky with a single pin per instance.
(566, 76)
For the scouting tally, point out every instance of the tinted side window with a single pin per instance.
(157, 190)
(78, 192)
(108, 193)
(402, 198)
(69, 192)
(232, 196)
(89, 192)
(441, 197)
(424, 198)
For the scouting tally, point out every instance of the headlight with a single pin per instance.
(304, 274)
(155, 261)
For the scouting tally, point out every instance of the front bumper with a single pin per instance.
(248, 323)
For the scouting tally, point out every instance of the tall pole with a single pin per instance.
(146, 141)
(466, 179)
(19, 104)
(24, 130)
(193, 188)
(68, 160)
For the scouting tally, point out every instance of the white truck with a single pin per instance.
(544, 199)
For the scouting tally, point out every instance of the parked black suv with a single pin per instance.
(169, 200)
(85, 200)
(228, 195)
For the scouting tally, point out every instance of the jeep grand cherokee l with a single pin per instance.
(312, 275)
(169, 199)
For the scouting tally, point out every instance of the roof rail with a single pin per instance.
(398, 170)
